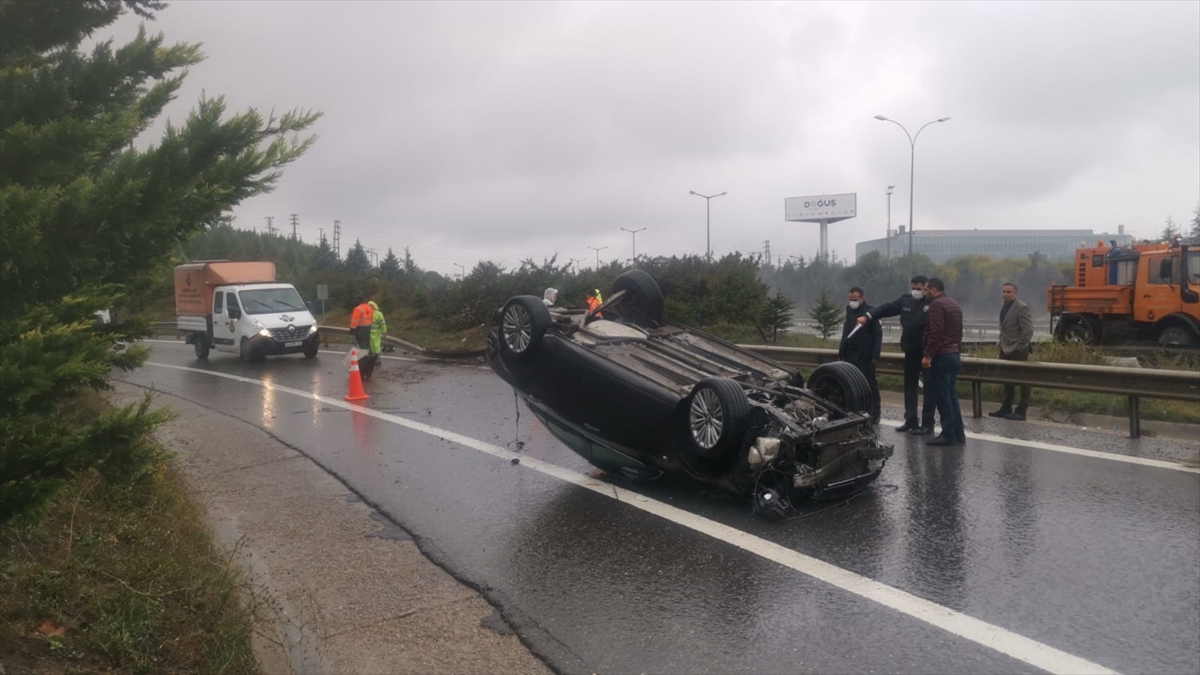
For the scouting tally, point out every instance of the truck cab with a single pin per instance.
(1146, 292)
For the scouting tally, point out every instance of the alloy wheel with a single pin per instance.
(518, 328)
(707, 418)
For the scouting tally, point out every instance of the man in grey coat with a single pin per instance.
(1016, 341)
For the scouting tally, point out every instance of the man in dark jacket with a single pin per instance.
(864, 347)
(911, 308)
(943, 344)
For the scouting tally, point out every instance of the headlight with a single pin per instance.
(262, 330)
(312, 329)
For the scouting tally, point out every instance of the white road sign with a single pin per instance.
(817, 208)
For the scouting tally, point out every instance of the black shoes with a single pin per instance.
(921, 431)
(1017, 415)
(943, 439)
(906, 427)
(1004, 412)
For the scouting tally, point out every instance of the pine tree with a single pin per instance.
(390, 267)
(411, 271)
(86, 218)
(1194, 235)
(827, 315)
(357, 262)
(1170, 229)
(777, 315)
(325, 258)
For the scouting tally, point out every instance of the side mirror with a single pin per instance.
(234, 312)
(1166, 269)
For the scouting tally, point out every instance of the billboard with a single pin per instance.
(818, 208)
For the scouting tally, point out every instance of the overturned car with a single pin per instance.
(639, 395)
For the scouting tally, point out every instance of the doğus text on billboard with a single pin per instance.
(821, 207)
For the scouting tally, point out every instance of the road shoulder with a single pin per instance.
(342, 589)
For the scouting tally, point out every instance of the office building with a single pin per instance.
(943, 245)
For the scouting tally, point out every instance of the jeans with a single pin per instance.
(1009, 389)
(944, 372)
(912, 391)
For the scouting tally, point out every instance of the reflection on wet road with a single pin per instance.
(992, 558)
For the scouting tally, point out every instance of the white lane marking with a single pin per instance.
(1095, 454)
(323, 351)
(980, 632)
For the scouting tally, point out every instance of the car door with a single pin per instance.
(224, 327)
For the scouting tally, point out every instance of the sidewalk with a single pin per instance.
(340, 587)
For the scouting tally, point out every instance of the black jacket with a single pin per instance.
(912, 319)
(866, 343)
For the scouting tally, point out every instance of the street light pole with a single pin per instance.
(708, 216)
(912, 163)
(597, 250)
(464, 270)
(634, 233)
(888, 236)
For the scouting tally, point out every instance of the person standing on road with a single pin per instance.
(1016, 342)
(594, 302)
(550, 297)
(911, 307)
(943, 345)
(864, 347)
(378, 328)
(360, 322)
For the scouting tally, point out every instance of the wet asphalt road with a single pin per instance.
(1099, 559)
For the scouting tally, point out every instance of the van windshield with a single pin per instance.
(272, 300)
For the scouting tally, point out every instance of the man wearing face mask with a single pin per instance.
(911, 308)
(863, 348)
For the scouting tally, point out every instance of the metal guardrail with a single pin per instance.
(170, 327)
(1135, 383)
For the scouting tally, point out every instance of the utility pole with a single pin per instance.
(597, 250)
(371, 252)
(337, 239)
(322, 231)
(708, 217)
(634, 233)
(295, 222)
(767, 251)
(270, 224)
(889, 220)
(462, 272)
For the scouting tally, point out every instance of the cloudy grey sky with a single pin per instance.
(505, 130)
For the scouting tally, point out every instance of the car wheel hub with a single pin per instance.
(706, 418)
(518, 329)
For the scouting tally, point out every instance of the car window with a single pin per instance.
(233, 301)
(219, 302)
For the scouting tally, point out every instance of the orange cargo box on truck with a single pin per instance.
(194, 282)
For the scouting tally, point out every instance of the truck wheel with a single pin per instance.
(247, 352)
(843, 385)
(1079, 333)
(1176, 335)
(200, 344)
(311, 349)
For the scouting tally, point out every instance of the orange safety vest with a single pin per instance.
(592, 303)
(362, 315)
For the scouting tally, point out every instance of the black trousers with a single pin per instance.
(867, 368)
(362, 336)
(912, 390)
(1010, 389)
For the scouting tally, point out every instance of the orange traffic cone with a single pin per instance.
(357, 393)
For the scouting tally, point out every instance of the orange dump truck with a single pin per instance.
(239, 307)
(1142, 292)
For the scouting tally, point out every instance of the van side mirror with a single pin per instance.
(1166, 269)
(234, 312)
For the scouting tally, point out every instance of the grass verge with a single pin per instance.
(120, 578)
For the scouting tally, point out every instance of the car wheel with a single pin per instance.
(1176, 335)
(717, 416)
(311, 349)
(523, 322)
(245, 352)
(200, 344)
(643, 298)
(843, 385)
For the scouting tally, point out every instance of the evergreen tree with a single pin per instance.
(325, 258)
(86, 218)
(411, 271)
(1170, 229)
(390, 267)
(777, 315)
(1194, 235)
(827, 315)
(357, 262)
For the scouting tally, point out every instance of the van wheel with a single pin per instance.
(247, 352)
(200, 344)
(843, 385)
(311, 349)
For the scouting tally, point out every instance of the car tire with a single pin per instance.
(311, 349)
(843, 385)
(200, 344)
(717, 414)
(248, 353)
(643, 298)
(1176, 335)
(523, 321)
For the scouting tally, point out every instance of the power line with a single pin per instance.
(295, 222)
